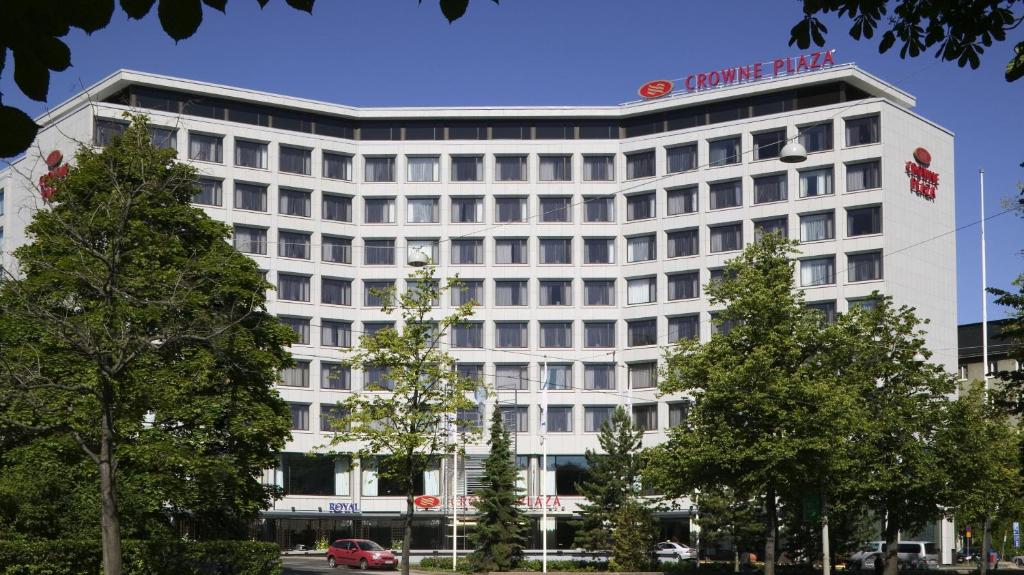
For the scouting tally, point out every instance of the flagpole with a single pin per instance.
(455, 500)
(984, 284)
(544, 467)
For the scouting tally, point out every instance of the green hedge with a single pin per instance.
(84, 557)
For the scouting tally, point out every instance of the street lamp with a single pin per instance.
(418, 257)
(793, 153)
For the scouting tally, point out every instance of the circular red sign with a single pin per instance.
(655, 89)
(54, 159)
(923, 157)
(426, 501)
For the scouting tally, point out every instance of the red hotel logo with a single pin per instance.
(923, 181)
(655, 89)
(427, 501)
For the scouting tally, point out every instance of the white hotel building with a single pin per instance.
(586, 234)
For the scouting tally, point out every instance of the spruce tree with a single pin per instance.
(613, 480)
(500, 531)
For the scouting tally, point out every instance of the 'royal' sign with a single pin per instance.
(343, 507)
(923, 181)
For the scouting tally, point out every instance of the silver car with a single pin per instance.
(910, 554)
(672, 551)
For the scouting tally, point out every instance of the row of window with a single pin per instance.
(507, 168)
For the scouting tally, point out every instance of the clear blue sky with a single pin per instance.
(564, 52)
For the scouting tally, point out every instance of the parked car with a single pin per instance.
(1018, 560)
(672, 551)
(361, 553)
(910, 554)
(856, 560)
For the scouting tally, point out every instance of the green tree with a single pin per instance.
(409, 426)
(1010, 394)
(137, 332)
(633, 536)
(500, 533)
(613, 479)
(770, 414)
(727, 518)
(959, 31)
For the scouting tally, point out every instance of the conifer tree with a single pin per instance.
(500, 532)
(612, 481)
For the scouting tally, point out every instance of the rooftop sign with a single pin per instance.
(778, 67)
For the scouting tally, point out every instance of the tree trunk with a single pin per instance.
(892, 532)
(986, 544)
(772, 528)
(407, 533)
(110, 523)
(826, 550)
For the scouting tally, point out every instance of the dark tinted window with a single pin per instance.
(424, 132)
(379, 132)
(467, 132)
(510, 132)
(553, 131)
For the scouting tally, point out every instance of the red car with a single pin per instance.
(361, 553)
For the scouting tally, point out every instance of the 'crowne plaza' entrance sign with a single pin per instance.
(739, 74)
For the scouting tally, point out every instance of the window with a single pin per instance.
(641, 290)
(827, 309)
(864, 267)
(296, 375)
(300, 325)
(598, 292)
(163, 138)
(779, 226)
(251, 240)
(429, 247)
(599, 209)
(555, 334)
(594, 417)
(559, 419)
(640, 332)
(335, 376)
(371, 328)
(510, 251)
(467, 252)
(640, 207)
(645, 417)
(376, 293)
(641, 249)
(335, 291)
(510, 334)
(292, 287)
(863, 221)
(682, 201)
(564, 473)
(769, 144)
(556, 168)
(337, 166)
(860, 131)
(864, 303)
(677, 413)
(336, 250)
(683, 327)
(300, 416)
(556, 292)
(599, 376)
(467, 210)
(469, 291)
(683, 243)
(725, 194)
(473, 372)
(818, 271)
(507, 210)
(307, 474)
(104, 131)
(682, 158)
(335, 333)
(555, 210)
(294, 202)
(863, 176)
(422, 210)
(423, 168)
(379, 252)
(379, 169)
(556, 250)
(293, 245)
(726, 238)
(817, 227)
(295, 160)
(337, 208)
(558, 377)
(599, 334)
(512, 376)
(684, 285)
(724, 152)
(816, 138)
(517, 419)
(252, 197)
(816, 183)
(643, 375)
(598, 168)
(331, 417)
(467, 168)
(770, 189)
(599, 250)
(640, 165)
(377, 379)
(210, 192)
(468, 335)
(206, 148)
(380, 210)
(250, 154)
(510, 168)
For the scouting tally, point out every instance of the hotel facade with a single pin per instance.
(586, 235)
